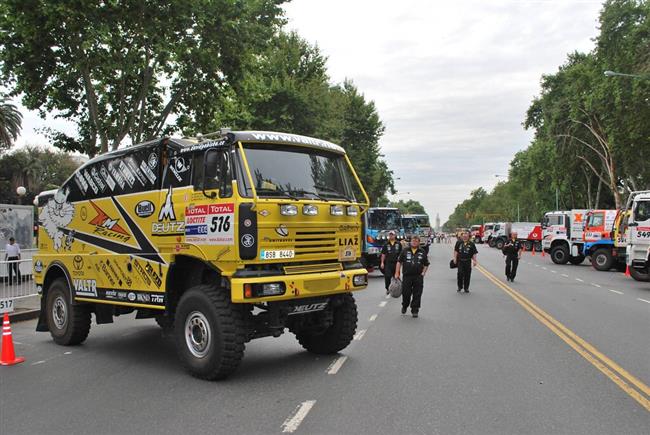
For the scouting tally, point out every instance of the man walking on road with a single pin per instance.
(414, 263)
(389, 253)
(465, 257)
(512, 250)
(12, 256)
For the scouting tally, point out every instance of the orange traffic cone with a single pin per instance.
(532, 251)
(8, 356)
(543, 254)
(627, 271)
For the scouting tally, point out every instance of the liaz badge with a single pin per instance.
(347, 253)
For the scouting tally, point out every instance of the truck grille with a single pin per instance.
(311, 242)
(312, 268)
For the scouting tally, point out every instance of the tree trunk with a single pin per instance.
(600, 184)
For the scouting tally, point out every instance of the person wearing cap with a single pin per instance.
(389, 253)
(512, 250)
(413, 262)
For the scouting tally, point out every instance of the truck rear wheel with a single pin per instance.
(639, 275)
(499, 244)
(560, 255)
(209, 333)
(338, 335)
(69, 324)
(577, 260)
(602, 259)
(528, 245)
(491, 243)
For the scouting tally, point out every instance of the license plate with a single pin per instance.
(373, 250)
(277, 255)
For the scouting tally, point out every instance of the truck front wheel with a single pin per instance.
(209, 332)
(560, 255)
(577, 260)
(602, 259)
(338, 335)
(69, 324)
(499, 244)
(639, 275)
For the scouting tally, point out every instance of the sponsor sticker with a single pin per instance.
(85, 287)
(145, 208)
(81, 182)
(146, 170)
(126, 172)
(211, 224)
(91, 183)
(107, 177)
(116, 174)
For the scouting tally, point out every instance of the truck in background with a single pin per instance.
(378, 222)
(600, 239)
(488, 228)
(476, 233)
(563, 236)
(529, 233)
(422, 228)
(638, 241)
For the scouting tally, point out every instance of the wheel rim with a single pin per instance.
(197, 334)
(59, 312)
(559, 255)
(601, 260)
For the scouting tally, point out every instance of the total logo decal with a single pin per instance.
(85, 287)
(210, 224)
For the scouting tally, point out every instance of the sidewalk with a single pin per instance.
(26, 308)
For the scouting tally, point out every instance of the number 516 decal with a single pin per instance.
(210, 224)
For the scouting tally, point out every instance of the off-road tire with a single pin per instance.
(339, 335)
(224, 322)
(560, 255)
(602, 259)
(499, 244)
(491, 243)
(528, 245)
(637, 275)
(577, 260)
(72, 323)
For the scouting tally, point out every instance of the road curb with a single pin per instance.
(21, 316)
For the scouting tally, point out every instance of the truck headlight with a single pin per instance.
(265, 289)
(359, 280)
(288, 210)
(310, 210)
(352, 210)
(336, 210)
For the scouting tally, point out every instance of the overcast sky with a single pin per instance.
(451, 79)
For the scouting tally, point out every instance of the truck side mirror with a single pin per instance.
(210, 169)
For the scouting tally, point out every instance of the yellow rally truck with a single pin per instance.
(222, 239)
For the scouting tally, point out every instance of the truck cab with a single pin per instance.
(378, 222)
(638, 241)
(422, 228)
(488, 228)
(563, 236)
(599, 239)
(499, 235)
(476, 232)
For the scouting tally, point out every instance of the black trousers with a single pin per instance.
(511, 267)
(14, 268)
(464, 274)
(389, 272)
(412, 286)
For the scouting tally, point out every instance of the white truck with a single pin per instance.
(563, 236)
(499, 233)
(638, 241)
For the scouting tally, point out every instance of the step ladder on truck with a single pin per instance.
(563, 236)
(638, 241)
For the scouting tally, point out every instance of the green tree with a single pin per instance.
(10, 123)
(410, 206)
(122, 68)
(37, 169)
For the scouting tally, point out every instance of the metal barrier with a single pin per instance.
(16, 280)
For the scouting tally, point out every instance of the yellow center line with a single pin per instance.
(609, 368)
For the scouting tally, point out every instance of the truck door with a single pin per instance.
(640, 225)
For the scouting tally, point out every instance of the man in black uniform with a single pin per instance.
(465, 256)
(512, 249)
(414, 263)
(389, 253)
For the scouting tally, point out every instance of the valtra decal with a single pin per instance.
(85, 287)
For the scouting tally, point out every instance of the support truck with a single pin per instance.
(563, 236)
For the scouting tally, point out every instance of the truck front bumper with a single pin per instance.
(298, 286)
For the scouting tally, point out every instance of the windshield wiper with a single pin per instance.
(309, 192)
(333, 192)
(284, 192)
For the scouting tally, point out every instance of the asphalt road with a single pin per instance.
(563, 349)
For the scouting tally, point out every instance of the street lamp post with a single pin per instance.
(21, 192)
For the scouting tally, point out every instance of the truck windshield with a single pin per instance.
(384, 219)
(595, 220)
(409, 224)
(423, 221)
(289, 171)
(642, 211)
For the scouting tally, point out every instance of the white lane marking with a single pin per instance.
(565, 275)
(387, 296)
(382, 304)
(537, 265)
(336, 365)
(617, 292)
(596, 285)
(372, 318)
(552, 271)
(579, 280)
(291, 424)
(67, 353)
(543, 268)
(643, 300)
(38, 362)
(359, 335)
